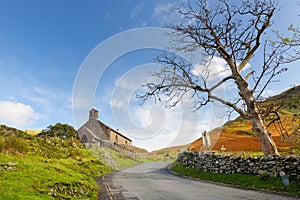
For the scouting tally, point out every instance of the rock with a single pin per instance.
(11, 163)
(295, 163)
(271, 163)
(260, 172)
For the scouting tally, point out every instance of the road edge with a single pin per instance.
(229, 185)
(104, 191)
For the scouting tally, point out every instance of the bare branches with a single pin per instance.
(276, 53)
(218, 84)
(173, 82)
(232, 31)
(267, 13)
(232, 105)
(226, 29)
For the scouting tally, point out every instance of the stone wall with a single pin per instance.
(271, 165)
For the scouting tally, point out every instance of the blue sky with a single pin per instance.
(44, 43)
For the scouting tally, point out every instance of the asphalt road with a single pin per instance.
(153, 181)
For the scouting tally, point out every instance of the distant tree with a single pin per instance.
(59, 130)
(234, 32)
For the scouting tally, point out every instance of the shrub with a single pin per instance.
(16, 145)
(2, 145)
(59, 130)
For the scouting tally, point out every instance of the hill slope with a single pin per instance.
(33, 167)
(237, 135)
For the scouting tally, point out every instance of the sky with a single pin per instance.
(45, 47)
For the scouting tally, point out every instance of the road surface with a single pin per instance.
(153, 181)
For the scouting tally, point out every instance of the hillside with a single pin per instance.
(168, 154)
(33, 167)
(32, 132)
(237, 135)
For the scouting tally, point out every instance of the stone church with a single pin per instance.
(96, 132)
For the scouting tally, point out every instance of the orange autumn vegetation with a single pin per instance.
(240, 138)
(237, 135)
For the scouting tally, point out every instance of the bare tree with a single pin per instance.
(232, 31)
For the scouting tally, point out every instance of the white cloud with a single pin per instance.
(118, 103)
(136, 15)
(162, 9)
(214, 69)
(136, 10)
(165, 13)
(43, 97)
(45, 93)
(17, 114)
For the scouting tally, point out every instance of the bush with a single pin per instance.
(59, 130)
(2, 145)
(15, 145)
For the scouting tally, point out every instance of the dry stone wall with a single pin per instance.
(270, 165)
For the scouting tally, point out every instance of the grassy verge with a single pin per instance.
(249, 181)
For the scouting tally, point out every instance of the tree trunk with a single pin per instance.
(267, 143)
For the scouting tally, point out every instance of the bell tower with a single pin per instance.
(93, 114)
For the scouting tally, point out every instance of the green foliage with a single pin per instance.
(249, 181)
(59, 130)
(292, 28)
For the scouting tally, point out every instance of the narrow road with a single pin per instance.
(153, 181)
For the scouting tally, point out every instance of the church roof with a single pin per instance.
(114, 130)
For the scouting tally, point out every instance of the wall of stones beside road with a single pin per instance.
(215, 163)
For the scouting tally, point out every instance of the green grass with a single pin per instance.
(249, 181)
(122, 160)
(157, 158)
(163, 155)
(46, 168)
(40, 178)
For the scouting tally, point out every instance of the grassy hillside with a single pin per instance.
(168, 154)
(237, 135)
(46, 168)
(32, 132)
